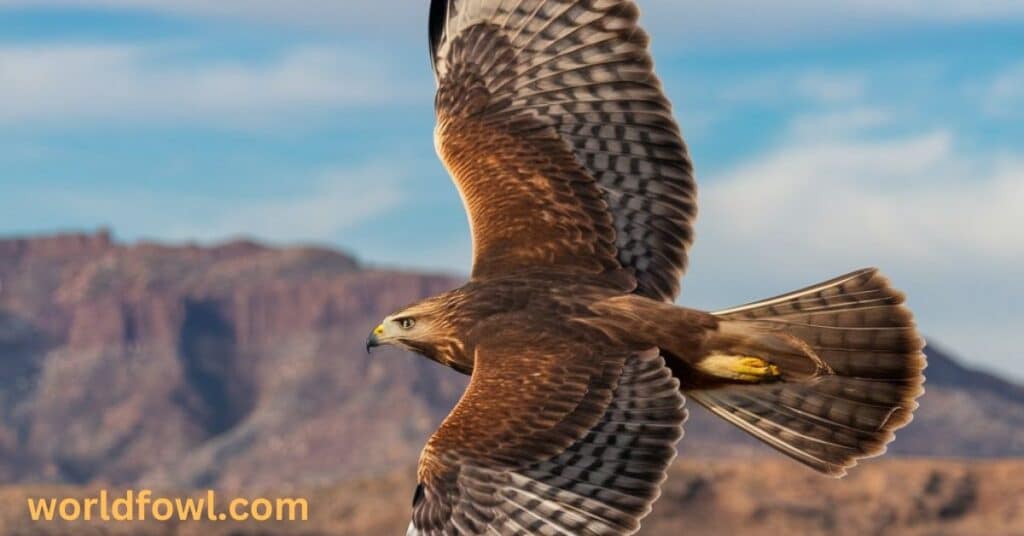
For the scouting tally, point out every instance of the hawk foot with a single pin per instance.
(740, 368)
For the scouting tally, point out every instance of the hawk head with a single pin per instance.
(423, 328)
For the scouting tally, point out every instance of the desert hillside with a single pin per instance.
(242, 366)
(739, 497)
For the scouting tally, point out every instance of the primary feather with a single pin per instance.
(579, 76)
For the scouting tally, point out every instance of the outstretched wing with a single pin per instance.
(553, 441)
(559, 137)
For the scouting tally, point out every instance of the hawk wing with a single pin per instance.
(577, 447)
(558, 135)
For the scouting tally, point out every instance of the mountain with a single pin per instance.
(242, 366)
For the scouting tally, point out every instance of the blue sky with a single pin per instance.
(827, 135)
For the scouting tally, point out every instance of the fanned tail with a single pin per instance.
(848, 366)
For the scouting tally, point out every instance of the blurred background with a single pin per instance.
(205, 206)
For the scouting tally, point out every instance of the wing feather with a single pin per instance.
(563, 441)
(543, 94)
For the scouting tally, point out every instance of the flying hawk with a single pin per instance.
(581, 198)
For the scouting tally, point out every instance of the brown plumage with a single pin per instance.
(581, 200)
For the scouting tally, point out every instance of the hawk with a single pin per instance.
(581, 198)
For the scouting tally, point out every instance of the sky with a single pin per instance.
(828, 136)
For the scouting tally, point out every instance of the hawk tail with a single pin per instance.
(825, 375)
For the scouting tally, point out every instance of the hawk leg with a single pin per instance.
(740, 368)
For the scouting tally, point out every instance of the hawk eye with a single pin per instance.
(406, 323)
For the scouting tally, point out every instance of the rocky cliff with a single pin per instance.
(232, 365)
(241, 365)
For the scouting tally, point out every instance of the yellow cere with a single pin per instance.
(379, 330)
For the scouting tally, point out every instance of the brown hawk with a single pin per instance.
(581, 199)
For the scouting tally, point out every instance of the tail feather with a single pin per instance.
(867, 370)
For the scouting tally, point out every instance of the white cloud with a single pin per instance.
(822, 87)
(909, 201)
(832, 87)
(754, 21)
(728, 19)
(144, 83)
(1005, 96)
(839, 123)
(336, 200)
(312, 10)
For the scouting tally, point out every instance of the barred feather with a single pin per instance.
(578, 72)
(857, 325)
(603, 483)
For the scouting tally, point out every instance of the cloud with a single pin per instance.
(907, 201)
(271, 9)
(839, 123)
(831, 87)
(728, 19)
(334, 201)
(65, 82)
(1004, 97)
(338, 200)
(821, 87)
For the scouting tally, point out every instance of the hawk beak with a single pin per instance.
(373, 340)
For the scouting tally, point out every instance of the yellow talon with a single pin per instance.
(741, 368)
(755, 366)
